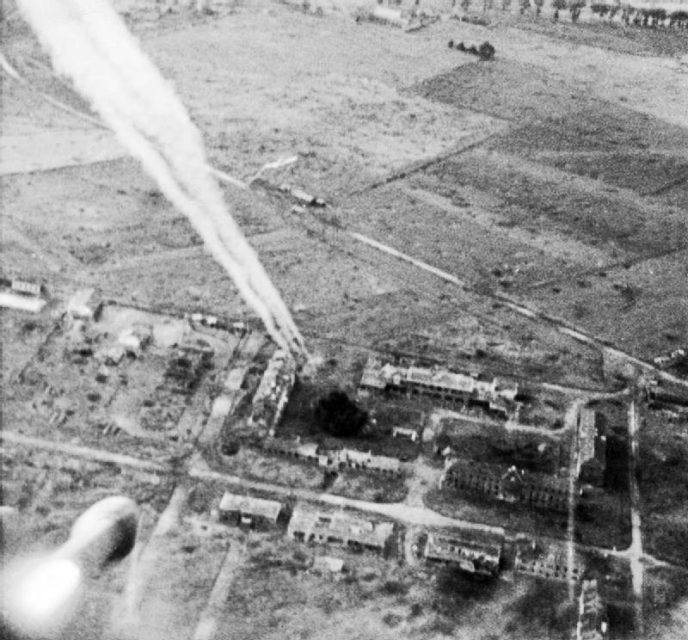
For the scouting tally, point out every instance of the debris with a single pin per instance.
(485, 51)
(113, 356)
(83, 306)
(302, 196)
(328, 564)
(135, 339)
(272, 394)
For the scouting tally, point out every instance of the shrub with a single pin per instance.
(340, 416)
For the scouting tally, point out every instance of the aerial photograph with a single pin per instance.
(344, 320)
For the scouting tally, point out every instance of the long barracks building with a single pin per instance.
(497, 395)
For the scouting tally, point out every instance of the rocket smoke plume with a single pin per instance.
(89, 43)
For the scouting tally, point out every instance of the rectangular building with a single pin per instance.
(273, 392)
(474, 552)
(551, 562)
(341, 528)
(246, 511)
(497, 395)
(508, 484)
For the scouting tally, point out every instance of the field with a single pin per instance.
(473, 211)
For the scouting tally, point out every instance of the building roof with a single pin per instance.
(449, 545)
(341, 524)
(378, 375)
(508, 473)
(269, 509)
(278, 375)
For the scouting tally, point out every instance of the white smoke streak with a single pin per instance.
(88, 42)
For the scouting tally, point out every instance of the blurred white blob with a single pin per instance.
(88, 42)
(41, 595)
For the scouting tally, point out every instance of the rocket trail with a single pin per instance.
(89, 43)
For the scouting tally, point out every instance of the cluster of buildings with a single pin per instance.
(335, 460)
(472, 551)
(272, 394)
(548, 491)
(497, 395)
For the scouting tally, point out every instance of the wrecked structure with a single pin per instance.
(552, 563)
(342, 528)
(335, 460)
(479, 553)
(272, 394)
(592, 447)
(185, 367)
(250, 512)
(508, 484)
(592, 623)
(496, 395)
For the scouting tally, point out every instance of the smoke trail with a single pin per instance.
(88, 42)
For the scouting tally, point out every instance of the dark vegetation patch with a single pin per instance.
(602, 127)
(458, 591)
(535, 203)
(338, 415)
(663, 480)
(614, 36)
(645, 173)
(544, 606)
(510, 90)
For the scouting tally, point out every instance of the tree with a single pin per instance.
(340, 416)
(558, 5)
(575, 9)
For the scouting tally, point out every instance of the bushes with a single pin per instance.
(339, 416)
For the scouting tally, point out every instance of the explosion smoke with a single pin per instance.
(88, 42)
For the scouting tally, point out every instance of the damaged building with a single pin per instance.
(497, 395)
(249, 512)
(508, 484)
(185, 367)
(592, 447)
(342, 528)
(474, 552)
(273, 392)
(592, 622)
(336, 460)
(552, 563)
